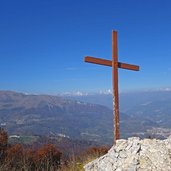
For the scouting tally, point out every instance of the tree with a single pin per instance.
(3, 142)
(48, 156)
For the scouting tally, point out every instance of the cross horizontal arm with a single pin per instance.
(128, 66)
(98, 61)
(109, 63)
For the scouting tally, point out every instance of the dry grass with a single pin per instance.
(76, 163)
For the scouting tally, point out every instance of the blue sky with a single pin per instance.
(43, 42)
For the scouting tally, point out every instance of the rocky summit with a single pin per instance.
(135, 155)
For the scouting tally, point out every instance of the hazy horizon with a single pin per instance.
(82, 93)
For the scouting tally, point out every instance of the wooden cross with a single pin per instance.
(115, 65)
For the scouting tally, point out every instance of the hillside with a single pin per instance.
(51, 115)
(24, 114)
(150, 108)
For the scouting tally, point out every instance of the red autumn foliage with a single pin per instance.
(48, 154)
(3, 138)
(3, 142)
(14, 155)
(45, 158)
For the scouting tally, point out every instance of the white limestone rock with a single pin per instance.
(135, 155)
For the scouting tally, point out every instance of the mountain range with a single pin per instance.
(23, 114)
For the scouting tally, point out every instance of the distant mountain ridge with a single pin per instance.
(152, 108)
(24, 114)
(128, 100)
(44, 114)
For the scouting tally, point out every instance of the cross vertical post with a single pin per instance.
(115, 85)
(115, 65)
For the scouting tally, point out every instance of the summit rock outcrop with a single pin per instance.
(135, 155)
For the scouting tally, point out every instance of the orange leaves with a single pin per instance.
(15, 157)
(3, 138)
(15, 151)
(48, 151)
(44, 158)
(48, 156)
(3, 143)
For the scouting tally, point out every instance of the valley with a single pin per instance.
(87, 118)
